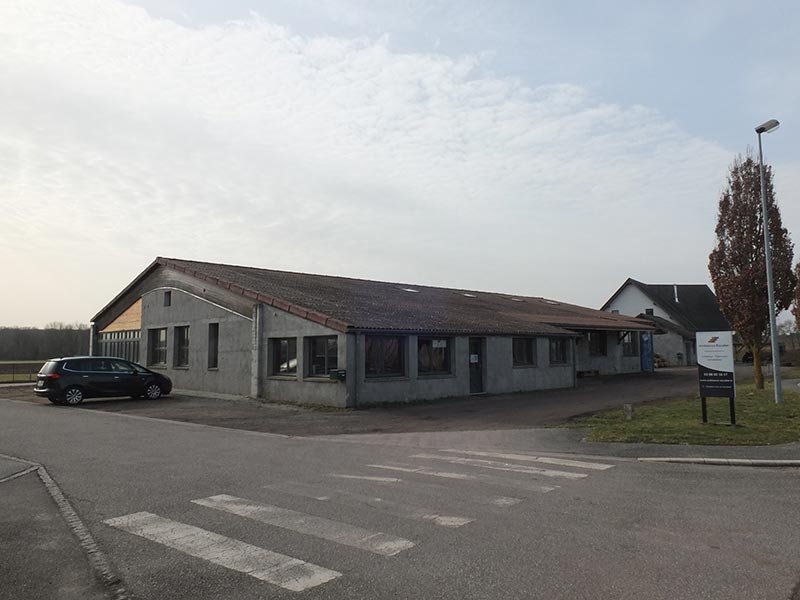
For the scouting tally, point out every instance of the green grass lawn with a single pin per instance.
(759, 421)
(26, 370)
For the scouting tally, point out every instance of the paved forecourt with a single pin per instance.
(453, 497)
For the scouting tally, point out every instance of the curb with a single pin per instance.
(727, 462)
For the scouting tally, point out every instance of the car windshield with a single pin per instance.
(138, 368)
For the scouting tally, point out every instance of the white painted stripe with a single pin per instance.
(425, 471)
(397, 509)
(487, 479)
(333, 531)
(503, 501)
(365, 478)
(284, 571)
(502, 466)
(564, 462)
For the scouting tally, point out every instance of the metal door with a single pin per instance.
(646, 339)
(475, 365)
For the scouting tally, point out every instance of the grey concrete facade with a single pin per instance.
(613, 362)
(249, 330)
(232, 375)
(673, 348)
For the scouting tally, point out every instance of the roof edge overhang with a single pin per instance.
(300, 311)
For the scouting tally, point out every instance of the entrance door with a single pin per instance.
(475, 365)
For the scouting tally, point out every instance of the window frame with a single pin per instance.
(598, 343)
(167, 298)
(531, 347)
(447, 360)
(180, 350)
(631, 340)
(381, 371)
(558, 342)
(275, 360)
(160, 347)
(310, 344)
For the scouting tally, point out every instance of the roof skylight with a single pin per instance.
(411, 290)
(469, 295)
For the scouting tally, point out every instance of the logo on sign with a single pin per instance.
(712, 340)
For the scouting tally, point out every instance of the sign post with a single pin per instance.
(715, 369)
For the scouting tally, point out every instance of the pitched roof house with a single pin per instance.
(343, 341)
(679, 311)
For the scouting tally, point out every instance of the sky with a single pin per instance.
(547, 148)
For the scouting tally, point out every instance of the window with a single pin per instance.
(284, 356)
(598, 346)
(323, 355)
(167, 298)
(630, 344)
(524, 350)
(384, 356)
(181, 355)
(648, 311)
(433, 356)
(558, 351)
(157, 346)
(213, 345)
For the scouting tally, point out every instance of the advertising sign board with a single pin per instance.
(715, 368)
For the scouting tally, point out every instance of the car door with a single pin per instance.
(127, 380)
(95, 376)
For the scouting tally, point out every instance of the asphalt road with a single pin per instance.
(190, 511)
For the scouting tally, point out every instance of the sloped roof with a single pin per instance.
(666, 325)
(697, 308)
(345, 303)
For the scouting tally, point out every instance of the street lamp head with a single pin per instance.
(767, 127)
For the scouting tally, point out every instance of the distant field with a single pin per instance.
(17, 371)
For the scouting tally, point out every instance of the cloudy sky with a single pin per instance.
(541, 147)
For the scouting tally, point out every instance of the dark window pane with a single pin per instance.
(213, 345)
(181, 355)
(284, 352)
(558, 351)
(167, 298)
(524, 351)
(433, 355)
(157, 346)
(384, 356)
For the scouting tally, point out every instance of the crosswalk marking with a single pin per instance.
(366, 478)
(340, 533)
(284, 571)
(425, 471)
(564, 462)
(501, 466)
(523, 485)
(396, 508)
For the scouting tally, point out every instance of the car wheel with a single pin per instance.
(72, 395)
(55, 399)
(153, 391)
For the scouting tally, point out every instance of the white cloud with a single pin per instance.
(123, 137)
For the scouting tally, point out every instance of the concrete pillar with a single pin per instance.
(257, 353)
(351, 364)
(92, 338)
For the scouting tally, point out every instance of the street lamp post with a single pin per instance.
(767, 127)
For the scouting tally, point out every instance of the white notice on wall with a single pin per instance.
(439, 343)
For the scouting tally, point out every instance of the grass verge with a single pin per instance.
(677, 421)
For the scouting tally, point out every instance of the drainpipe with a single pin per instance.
(574, 351)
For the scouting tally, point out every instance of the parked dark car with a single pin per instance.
(72, 379)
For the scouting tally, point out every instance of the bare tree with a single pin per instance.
(737, 265)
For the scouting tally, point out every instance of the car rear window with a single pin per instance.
(76, 365)
(51, 366)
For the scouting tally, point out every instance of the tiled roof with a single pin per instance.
(344, 303)
(697, 308)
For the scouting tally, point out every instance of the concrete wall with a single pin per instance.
(632, 301)
(232, 376)
(300, 388)
(613, 362)
(668, 345)
(499, 373)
